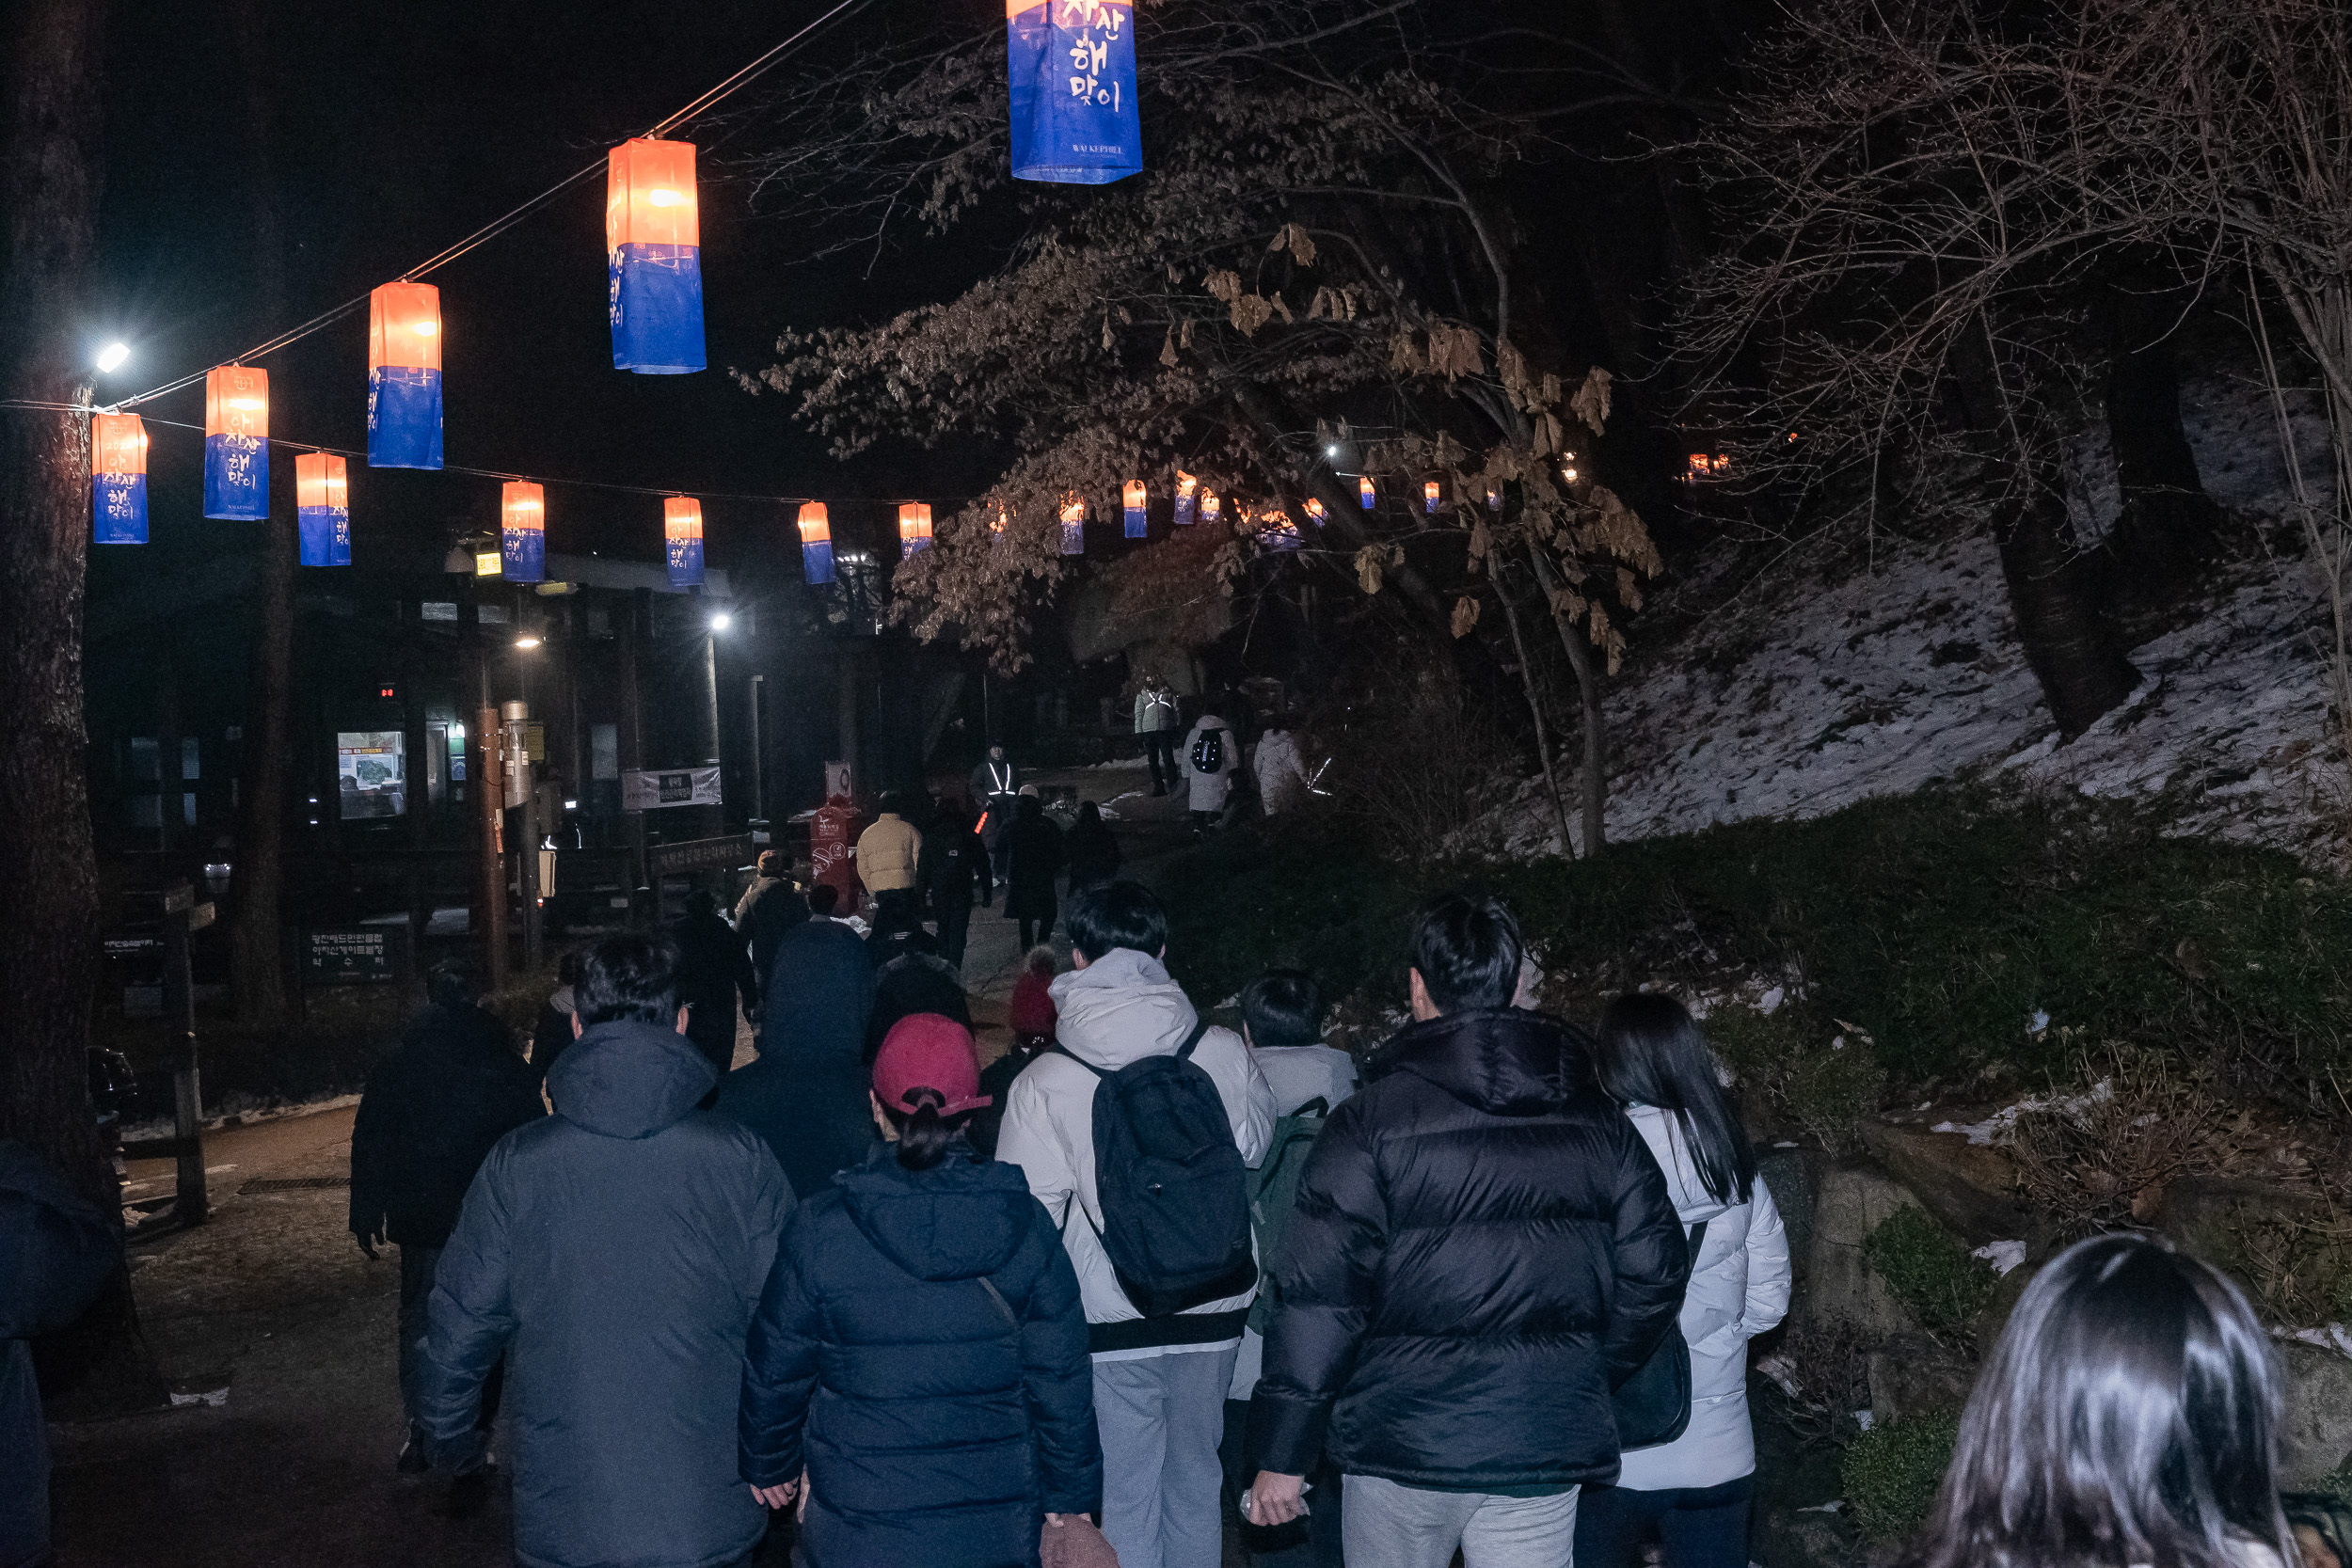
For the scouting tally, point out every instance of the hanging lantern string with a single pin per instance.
(501, 224)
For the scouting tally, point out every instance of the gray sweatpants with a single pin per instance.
(1384, 1524)
(1160, 1419)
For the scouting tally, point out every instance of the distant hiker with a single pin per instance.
(769, 907)
(57, 1251)
(1159, 721)
(432, 1111)
(553, 1030)
(1282, 781)
(1696, 1491)
(953, 868)
(713, 971)
(887, 853)
(897, 930)
(914, 982)
(920, 1351)
(1212, 757)
(824, 903)
(1092, 847)
(805, 1095)
(995, 786)
(1481, 1251)
(613, 1254)
(1031, 1019)
(1159, 1235)
(1033, 856)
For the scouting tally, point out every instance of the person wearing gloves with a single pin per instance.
(1696, 1491)
(1212, 757)
(920, 1351)
(1159, 1378)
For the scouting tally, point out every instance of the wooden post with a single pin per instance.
(489, 793)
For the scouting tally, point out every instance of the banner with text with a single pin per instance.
(653, 789)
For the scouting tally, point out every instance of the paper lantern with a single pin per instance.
(1073, 526)
(1135, 497)
(682, 533)
(236, 443)
(523, 531)
(653, 257)
(1187, 497)
(323, 507)
(1211, 508)
(404, 376)
(118, 479)
(1072, 75)
(1279, 533)
(816, 543)
(1315, 510)
(1494, 498)
(914, 528)
(997, 525)
(1429, 493)
(1365, 493)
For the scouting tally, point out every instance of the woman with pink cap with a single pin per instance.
(918, 1372)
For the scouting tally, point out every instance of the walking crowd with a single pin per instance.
(1486, 1288)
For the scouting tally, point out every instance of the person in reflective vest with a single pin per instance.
(996, 788)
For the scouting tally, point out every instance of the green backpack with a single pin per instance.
(1274, 1193)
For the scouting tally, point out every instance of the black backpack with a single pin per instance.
(1208, 750)
(1175, 1194)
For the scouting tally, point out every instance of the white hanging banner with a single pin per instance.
(651, 790)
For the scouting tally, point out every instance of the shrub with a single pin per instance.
(2099, 1150)
(1930, 1271)
(1890, 1474)
(1824, 1086)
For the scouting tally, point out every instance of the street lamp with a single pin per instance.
(113, 357)
(526, 640)
(721, 621)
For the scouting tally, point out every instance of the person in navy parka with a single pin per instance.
(920, 1352)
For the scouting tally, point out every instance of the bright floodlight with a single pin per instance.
(113, 357)
(526, 641)
(722, 621)
(1330, 451)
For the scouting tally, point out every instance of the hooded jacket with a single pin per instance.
(1208, 790)
(1155, 710)
(1121, 1008)
(716, 970)
(1483, 1247)
(937, 1418)
(56, 1250)
(433, 1110)
(805, 1097)
(613, 1254)
(1738, 1289)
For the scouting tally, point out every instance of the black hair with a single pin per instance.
(568, 967)
(1029, 809)
(925, 1136)
(2129, 1414)
(770, 863)
(823, 899)
(1116, 914)
(1090, 812)
(892, 801)
(454, 982)
(1650, 1052)
(1283, 1007)
(702, 901)
(631, 977)
(1468, 951)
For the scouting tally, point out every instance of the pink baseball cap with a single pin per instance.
(928, 1051)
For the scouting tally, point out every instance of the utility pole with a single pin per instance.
(488, 774)
(519, 796)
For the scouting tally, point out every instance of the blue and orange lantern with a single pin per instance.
(653, 256)
(1278, 532)
(1211, 508)
(1494, 498)
(1072, 80)
(1365, 493)
(118, 479)
(682, 540)
(914, 528)
(1315, 510)
(1135, 499)
(1187, 497)
(1073, 526)
(816, 543)
(236, 443)
(523, 532)
(323, 507)
(1430, 492)
(404, 376)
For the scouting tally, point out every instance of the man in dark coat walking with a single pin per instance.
(805, 1097)
(57, 1251)
(615, 1252)
(954, 866)
(769, 907)
(1482, 1248)
(714, 971)
(432, 1111)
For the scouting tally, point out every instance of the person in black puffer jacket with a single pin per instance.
(920, 1352)
(432, 1111)
(1482, 1250)
(57, 1251)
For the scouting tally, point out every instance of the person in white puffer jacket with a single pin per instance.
(1694, 1491)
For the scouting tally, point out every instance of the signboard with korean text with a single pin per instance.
(358, 956)
(652, 789)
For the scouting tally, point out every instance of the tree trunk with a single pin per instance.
(1580, 652)
(2168, 531)
(2082, 670)
(1534, 705)
(257, 946)
(52, 52)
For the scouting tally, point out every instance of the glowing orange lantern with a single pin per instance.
(1315, 510)
(323, 507)
(523, 531)
(915, 527)
(1074, 525)
(816, 543)
(682, 536)
(404, 376)
(1134, 499)
(118, 479)
(1365, 493)
(1211, 508)
(653, 254)
(236, 443)
(1187, 497)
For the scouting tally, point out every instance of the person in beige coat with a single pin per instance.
(888, 852)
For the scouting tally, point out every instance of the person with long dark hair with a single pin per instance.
(1694, 1491)
(918, 1372)
(2129, 1414)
